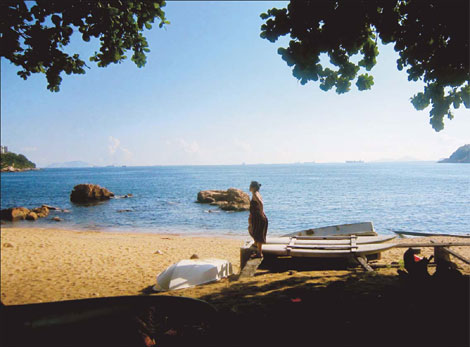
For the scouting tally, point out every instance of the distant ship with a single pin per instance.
(354, 161)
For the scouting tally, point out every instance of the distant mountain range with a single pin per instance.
(69, 164)
(461, 155)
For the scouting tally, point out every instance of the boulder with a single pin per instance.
(231, 199)
(14, 213)
(51, 207)
(88, 193)
(31, 216)
(42, 211)
(57, 219)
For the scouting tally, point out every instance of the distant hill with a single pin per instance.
(461, 155)
(17, 161)
(69, 164)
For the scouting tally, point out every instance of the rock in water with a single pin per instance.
(42, 211)
(31, 216)
(57, 219)
(14, 213)
(51, 207)
(231, 199)
(87, 193)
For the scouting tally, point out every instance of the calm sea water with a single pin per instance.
(408, 196)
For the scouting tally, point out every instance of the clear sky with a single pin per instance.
(214, 92)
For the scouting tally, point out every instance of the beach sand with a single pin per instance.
(42, 265)
(291, 303)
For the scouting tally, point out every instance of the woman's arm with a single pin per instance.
(260, 200)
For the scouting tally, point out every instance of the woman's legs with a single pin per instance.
(259, 245)
(259, 252)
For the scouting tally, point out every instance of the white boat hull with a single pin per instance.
(359, 229)
(329, 241)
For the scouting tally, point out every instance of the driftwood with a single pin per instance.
(250, 268)
(364, 263)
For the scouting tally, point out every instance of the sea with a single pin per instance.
(419, 196)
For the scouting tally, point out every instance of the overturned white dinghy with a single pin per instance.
(192, 272)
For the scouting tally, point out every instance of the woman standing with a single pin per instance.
(257, 222)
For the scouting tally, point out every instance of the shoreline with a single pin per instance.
(53, 264)
(61, 226)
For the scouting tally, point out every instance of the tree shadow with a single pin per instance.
(282, 264)
(356, 309)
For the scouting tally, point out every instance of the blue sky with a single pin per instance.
(214, 92)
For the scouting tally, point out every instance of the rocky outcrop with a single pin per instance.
(15, 213)
(21, 213)
(32, 216)
(89, 193)
(461, 155)
(12, 162)
(51, 207)
(42, 211)
(14, 169)
(231, 199)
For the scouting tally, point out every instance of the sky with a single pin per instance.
(213, 92)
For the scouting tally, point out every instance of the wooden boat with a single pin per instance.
(338, 241)
(326, 250)
(359, 229)
(325, 240)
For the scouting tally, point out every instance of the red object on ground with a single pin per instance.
(296, 300)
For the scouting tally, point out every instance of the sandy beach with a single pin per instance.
(42, 265)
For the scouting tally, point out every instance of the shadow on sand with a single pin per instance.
(328, 309)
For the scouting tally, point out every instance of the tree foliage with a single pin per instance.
(18, 161)
(431, 37)
(34, 35)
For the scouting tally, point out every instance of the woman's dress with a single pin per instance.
(259, 222)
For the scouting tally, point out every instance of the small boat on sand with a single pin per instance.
(337, 241)
(329, 240)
